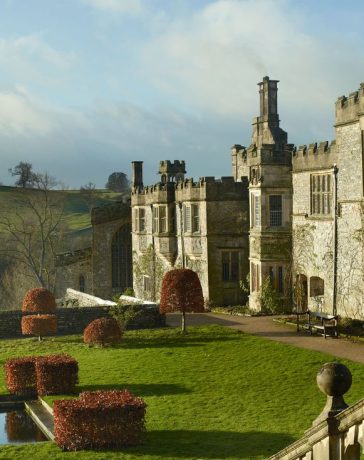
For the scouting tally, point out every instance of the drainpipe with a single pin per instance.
(181, 232)
(334, 294)
(153, 257)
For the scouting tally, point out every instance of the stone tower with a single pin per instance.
(268, 163)
(171, 172)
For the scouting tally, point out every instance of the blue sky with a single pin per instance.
(87, 86)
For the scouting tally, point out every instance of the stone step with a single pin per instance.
(42, 417)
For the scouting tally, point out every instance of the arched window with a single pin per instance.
(81, 283)
(121, 259)
(317, 286)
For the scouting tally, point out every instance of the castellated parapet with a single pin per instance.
(171, 172)
(315, 156)
(158, 193)
(348, 109)
(206, 188)
(211, 189)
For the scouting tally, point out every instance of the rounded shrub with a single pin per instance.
(102, 331)
(39, 300)
(181, 291)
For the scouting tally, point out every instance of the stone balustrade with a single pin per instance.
(338, 433)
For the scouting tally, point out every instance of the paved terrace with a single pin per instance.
(264, 326)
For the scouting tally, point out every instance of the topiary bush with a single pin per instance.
(39, 300)
(102, 331)
(181, 291)
(56, 374)
(41, 375)
(20, 376)
(100, 419)
(39, 325)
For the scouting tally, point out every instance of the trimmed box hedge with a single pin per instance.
(20, 376)
(56, 374)
(41, 375)
(99, 420)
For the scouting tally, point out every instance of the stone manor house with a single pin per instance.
(290, 214)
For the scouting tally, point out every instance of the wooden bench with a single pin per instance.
(321, 323)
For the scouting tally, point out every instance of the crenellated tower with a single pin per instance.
(268, 165)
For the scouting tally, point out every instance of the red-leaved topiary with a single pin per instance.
(39, 325)
(20, 377)
(56, 374)
(99, 419)
(181, 291)
(102, 331)
(41, 375)
(39, 300)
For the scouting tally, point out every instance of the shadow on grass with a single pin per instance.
(212, 444)
(140, 389)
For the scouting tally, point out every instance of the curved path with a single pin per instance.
(264, 326)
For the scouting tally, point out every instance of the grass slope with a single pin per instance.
(213, 394)
(77, 209)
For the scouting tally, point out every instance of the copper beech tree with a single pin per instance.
(39, 306)
(181, 291)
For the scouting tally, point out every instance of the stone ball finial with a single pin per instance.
(334, 379)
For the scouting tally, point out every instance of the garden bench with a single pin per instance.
(321, 323)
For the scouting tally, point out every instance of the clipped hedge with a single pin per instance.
(39, 300)
(39, 325)
(20, 376)
(98, 420)
(56, 374)
(102, 331)
(41, 375)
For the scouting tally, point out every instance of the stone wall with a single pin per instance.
(71, 266)
(106, 221)
(74, 320)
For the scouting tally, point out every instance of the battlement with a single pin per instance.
(110, 212)
(210, 188)
(176, 165)
(268, 154)
(172, 171)
(349, 108)
(320, 155)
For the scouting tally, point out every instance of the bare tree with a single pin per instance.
(89, 194)
(31, 229)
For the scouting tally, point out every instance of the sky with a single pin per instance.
(87, 86)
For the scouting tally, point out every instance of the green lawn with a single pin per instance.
(215, 393)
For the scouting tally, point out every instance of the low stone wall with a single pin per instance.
(74, 320)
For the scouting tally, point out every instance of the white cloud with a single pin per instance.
(32, 46)
(132, 7)
(213, 59)
(20, 116)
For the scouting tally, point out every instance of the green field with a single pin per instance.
(215, 393)
(76, 209)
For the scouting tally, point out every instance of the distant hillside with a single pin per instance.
(77, 211)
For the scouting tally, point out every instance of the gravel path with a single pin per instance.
(264, 326)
